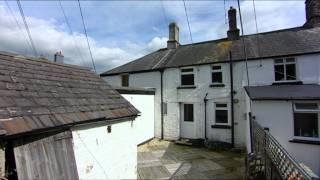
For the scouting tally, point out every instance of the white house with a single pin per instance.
(204, 90)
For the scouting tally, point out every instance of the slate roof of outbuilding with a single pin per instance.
(284, 92)
(285, 42)
(37, 94)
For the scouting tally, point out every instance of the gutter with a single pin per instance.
(65, 127)
(205, 116)
(231, 98)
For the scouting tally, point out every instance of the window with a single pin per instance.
(188, 112)
(125, 80)
(165, 108)
(306, 120)
(216, 75)
(187, 77)
(285, 69)
(221, 112)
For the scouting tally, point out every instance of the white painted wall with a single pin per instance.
(278, 117)
(144, 123)
(103, 155)
(260, 73)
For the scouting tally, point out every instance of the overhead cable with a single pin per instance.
(27, 28)
(185, 10)
(85, 31)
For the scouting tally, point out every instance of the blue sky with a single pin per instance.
(120, 31)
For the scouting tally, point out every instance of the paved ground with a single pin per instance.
(166, 160)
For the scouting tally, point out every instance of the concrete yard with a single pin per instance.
(166, 160)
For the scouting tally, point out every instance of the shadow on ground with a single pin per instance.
(166, 160)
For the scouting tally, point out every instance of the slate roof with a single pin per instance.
(284, 92)
(292, 41)
(37, 94)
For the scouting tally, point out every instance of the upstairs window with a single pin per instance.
(285, 69)
(216, 74)
(187, 77)
(221, 113)
(188, 112)
(125, 80)
(306, 120)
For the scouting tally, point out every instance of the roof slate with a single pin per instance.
(271, 44)
(39, 94)
(284, 92)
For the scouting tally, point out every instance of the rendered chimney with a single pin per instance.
(312, 13)
(58, 57)
(233, 32)
(173, 41)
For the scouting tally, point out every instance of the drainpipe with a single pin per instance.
(231, 98)
(205, 116)
(161, 100)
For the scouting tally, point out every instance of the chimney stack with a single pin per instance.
(312, 13)
(173, 41)
(58, 57)
(233, 32)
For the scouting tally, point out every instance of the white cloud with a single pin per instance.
(157, 43)
(49, 38)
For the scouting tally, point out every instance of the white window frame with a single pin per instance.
(217, 71)
(313, 111)
(186, 73)
(222, 108)
(284, 63)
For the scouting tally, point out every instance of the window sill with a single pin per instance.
(287, 82)
(216, 126)
(216, 85)
(313, 142)
(186, 87)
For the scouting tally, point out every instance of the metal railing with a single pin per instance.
(274, 162)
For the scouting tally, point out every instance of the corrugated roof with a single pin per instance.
(271, 44)
(284, 92)
(39, 94)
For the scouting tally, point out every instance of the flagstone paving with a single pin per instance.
(165, 160)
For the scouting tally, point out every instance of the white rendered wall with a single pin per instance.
(261, 72)
(278, 117)
(145, 122)
(103, 155)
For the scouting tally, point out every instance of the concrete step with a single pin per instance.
(183, 141)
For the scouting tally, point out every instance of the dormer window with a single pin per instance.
(187, 77)
(285, 69)
(125, 80)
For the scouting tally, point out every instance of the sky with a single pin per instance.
(121, 31)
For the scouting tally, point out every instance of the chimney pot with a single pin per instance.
(173, 41)
(58, 57)
(233, 32)
(312, 13)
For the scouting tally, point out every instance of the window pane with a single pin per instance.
(188, 112)
(222, 116)
(290, 60)
(165, 108)
(187, 79)
(291, 71)
(306, 106)
(279, 72)
(125, 80)
(187, 70)
(216, 67)
(217, 77)
(221, 105)
(306, 124)
(278, 61)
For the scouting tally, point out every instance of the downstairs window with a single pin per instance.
(306, 120)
